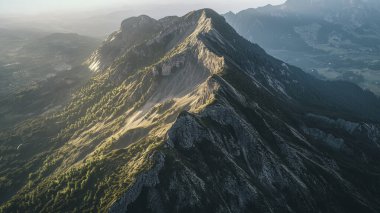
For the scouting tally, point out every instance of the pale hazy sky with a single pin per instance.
(48, 6)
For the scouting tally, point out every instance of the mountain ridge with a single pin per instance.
(192, 117)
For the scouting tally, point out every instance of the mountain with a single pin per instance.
(335, 40)
(60, 48)
(42, 97)
(185, 115)
(31, 58)
(356, 15)
(13, 39)
(38, 73)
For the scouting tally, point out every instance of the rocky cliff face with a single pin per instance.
(246, 152)
(191, 117)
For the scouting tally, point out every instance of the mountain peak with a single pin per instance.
(206, 14)
(186, 115)
(137, 20)
(210, 13)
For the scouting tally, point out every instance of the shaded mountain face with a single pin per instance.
(184, 115)
(330, 39)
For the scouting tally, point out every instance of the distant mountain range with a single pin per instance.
(39, 72)
(337, 40)
(185, 115)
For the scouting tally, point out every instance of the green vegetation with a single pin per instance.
(53, 175)
(91, 186)
(83, 157)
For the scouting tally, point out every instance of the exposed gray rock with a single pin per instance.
(145, 179)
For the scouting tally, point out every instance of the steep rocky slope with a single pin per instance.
(185, 115)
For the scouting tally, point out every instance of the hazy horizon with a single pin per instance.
(41, 7)
(98, 18)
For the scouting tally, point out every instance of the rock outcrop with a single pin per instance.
(191, 117)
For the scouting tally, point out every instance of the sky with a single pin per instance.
(50, 6)
(98, 18)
